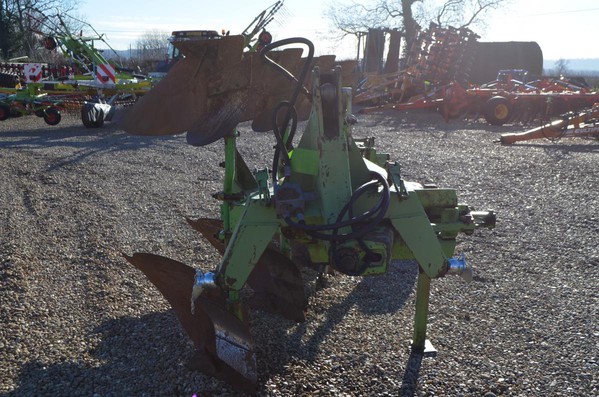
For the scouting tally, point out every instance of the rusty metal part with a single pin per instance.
(289, 59)
(569, 125)
(276, 280)
(223, 344)
(215, 87)
(263, 122)
(278, 286)
(209, 228)
(186, 86)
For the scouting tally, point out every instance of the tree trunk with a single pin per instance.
(409, 23)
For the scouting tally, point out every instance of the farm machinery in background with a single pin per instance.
(436, 77)
(32, 99)
(90, 84)
(508, 99)
(255, 34)
(25, 102)
(327, 201)
(577, 124)
(438, 56)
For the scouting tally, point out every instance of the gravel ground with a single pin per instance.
(77, 320)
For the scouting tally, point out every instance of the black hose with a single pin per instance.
(291, 111)
(368, 220)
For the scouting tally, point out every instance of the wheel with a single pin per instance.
(498, 110)
(92, 119)
(52, 116)
(93, 123)
(4, 112)
(556, 106)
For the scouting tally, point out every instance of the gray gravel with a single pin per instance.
(77, 320)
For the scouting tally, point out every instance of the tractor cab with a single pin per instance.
(173, 54)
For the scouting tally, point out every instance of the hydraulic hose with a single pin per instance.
(291, 113)
(368, 220)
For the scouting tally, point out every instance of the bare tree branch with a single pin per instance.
(481, 7)
(357, 18)
(152, 44)
(15, 19)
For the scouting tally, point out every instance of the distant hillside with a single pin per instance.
(590, 66)
(124, 54)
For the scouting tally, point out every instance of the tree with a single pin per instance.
(7, 31)
(408, 15)
(561, 67)
(16, 17)
(152, 44)
(151, 50)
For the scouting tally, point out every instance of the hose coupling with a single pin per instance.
(459, 267)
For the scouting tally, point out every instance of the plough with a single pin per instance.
(331, 203)
(569, 125)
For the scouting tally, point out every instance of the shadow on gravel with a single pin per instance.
(79, 137)
(284, 343)
(156, 348)
(85, 141)
(152, 347)
(429, 121)
(369, 297)
(39, 136)
(410, 378)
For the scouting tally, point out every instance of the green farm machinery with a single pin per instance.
(28, 101)
(327, 201)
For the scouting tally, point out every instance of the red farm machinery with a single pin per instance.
(436, 77)
(579, 124)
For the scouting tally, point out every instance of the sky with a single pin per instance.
(563, 29)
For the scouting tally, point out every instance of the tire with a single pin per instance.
(4, 112)
(52, 116)
(87, 123)
(92, 124)
(98, 123)
(556, 107)
(497, 110)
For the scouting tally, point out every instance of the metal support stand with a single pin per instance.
(420, 344)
